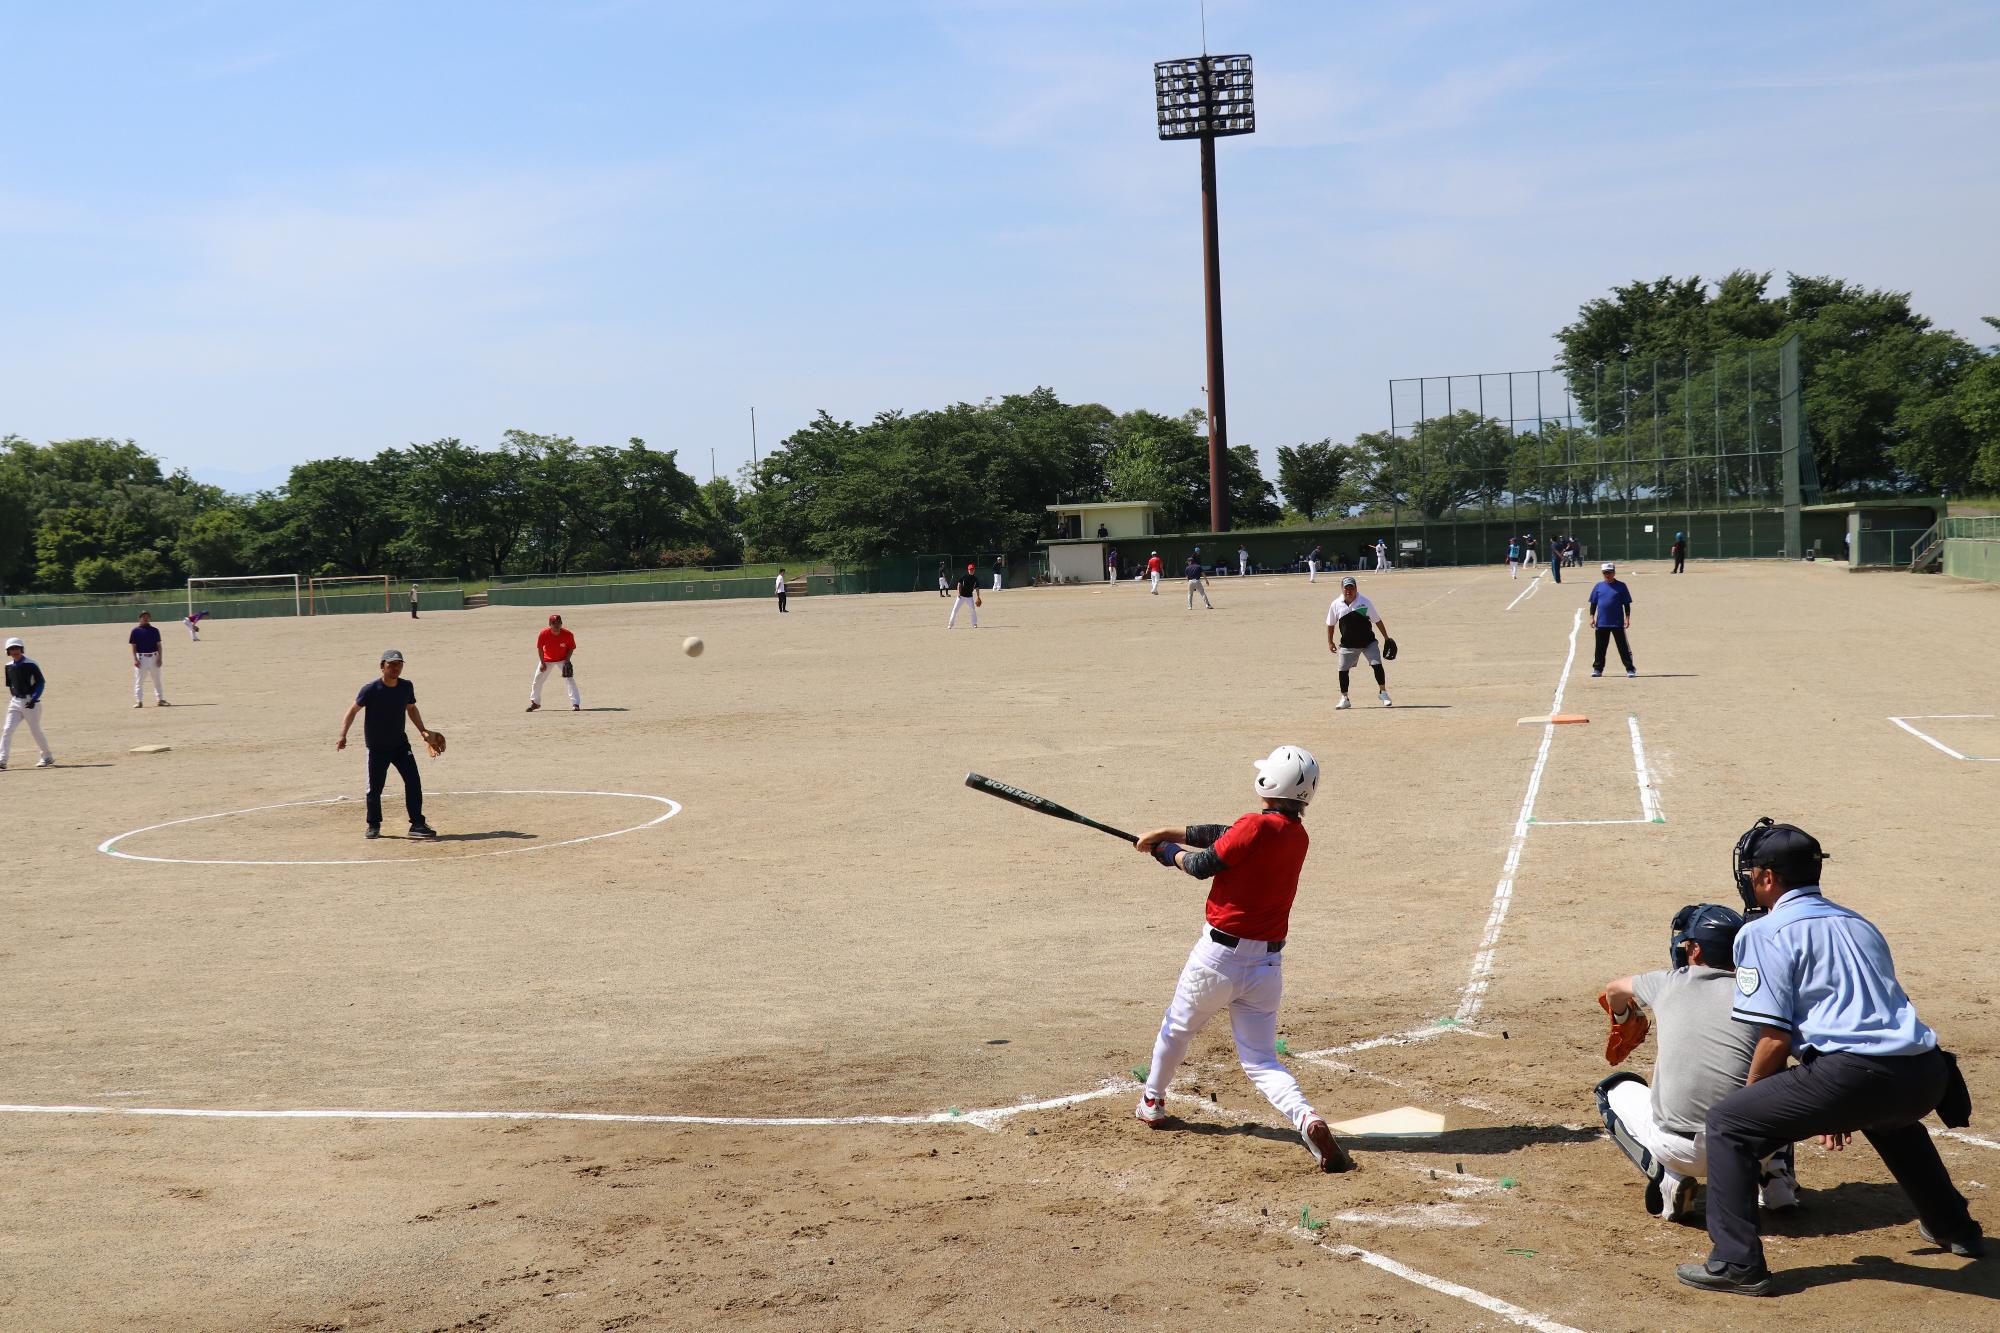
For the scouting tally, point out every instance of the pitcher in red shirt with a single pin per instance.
(555, 647)
(1237, 961)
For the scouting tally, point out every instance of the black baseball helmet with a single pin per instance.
(1709, 924)
(1785, 848)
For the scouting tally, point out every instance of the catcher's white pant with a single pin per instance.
(1156, 582)
(1312, 570)
(1632, 1102)
(1247, 981)
(966, 602)
(541, 673)
(17, 713)
(147, 669)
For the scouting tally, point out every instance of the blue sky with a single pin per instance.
(247, 234)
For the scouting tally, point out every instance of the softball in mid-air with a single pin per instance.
(691, 646)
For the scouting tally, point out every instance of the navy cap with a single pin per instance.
(1792, 852)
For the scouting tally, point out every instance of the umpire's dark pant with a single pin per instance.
(413, 786)
(781, 601)
(1884, 1098)
(1604, 636)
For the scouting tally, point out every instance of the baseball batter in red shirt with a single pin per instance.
(555, 649)
(1253, 867)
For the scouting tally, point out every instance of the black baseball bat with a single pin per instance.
(1039, 804)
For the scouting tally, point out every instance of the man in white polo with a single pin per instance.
(1351, 623)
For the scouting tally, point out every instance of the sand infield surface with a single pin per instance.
(833, 928)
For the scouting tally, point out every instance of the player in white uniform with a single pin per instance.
(193, 622)
(148, 656)
(25, 683)
(1351, 623)
(1381, 554)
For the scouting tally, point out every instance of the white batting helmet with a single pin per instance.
(1290, 774)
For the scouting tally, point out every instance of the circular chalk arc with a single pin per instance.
(110, 845)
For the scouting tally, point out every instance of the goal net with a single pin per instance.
(345, 592)
(235, 595)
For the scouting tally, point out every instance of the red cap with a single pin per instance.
(555, 620)
(968, 566)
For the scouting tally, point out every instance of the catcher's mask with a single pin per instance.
(1789, 850)
(1710, 925)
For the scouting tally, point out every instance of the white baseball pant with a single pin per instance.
(17, 713)
(1242, 565)
(1513, 569)
(1248, 981)
(1632, 1102)
(1529, 558)
(1199, 586)
(541, 673)
(996, 582)
(957, 602)
(148, 668)
(1156, 582)
(1312, 570)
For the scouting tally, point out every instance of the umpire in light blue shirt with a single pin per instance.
(1816, 979)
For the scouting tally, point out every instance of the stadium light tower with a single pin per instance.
(1208, 98)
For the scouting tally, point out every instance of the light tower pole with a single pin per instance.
(1208, 98)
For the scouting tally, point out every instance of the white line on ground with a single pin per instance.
(1526, 592)
(1973, 1139)
(1649, 799)
(1512, 1313)
(1473, 997)
(108, 845)
(1572, 823)
(1441, 596)
(1928, 739)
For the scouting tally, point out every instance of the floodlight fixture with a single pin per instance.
(1206, 98)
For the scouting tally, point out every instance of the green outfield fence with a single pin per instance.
(890, 574)
(168, 605)
(1972, 547)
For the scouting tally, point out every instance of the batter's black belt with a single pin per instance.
(1229, 941)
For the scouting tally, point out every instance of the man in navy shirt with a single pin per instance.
(386, 702)
(25, 683)
(1610, 613)
(1815, 979)
(147, 659)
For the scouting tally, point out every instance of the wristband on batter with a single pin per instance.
(1166, 852)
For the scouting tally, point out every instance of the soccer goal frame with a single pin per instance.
(318, 584)
(211, 580)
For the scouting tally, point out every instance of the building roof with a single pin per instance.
(1082, 505)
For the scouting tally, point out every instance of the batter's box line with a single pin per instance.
(1930, 740)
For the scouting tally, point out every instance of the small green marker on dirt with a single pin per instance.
(1530, 1253)
(1448, 1023)
(1139, 1072)
(954, 1110)
(1306, 1220)
(1284, 1047)
(1508, 1182)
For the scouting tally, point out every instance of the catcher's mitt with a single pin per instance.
(1625, 1037)
(1388, 650)
(435, 741)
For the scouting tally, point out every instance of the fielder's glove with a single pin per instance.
(568, 670)
(1626, 1036)
(435, 741)
(1389, 650)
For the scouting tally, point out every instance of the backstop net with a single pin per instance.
(1620, 456)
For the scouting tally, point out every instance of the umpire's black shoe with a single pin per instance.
(1733, 1279)
(422, 832)
(374, 831)
(1966, 1245)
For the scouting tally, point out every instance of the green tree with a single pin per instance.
(1444, 465)
(339, 515)
(1312, 476)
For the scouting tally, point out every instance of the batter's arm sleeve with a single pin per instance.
(1202, 862)
(1204, 835)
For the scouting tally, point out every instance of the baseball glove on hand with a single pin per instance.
(1388, 650)
(435, 741)
(1625, 1037)
(568, 670)
(976, 601)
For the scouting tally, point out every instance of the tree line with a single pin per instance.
(1891, 404)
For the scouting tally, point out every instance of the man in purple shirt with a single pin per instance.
(147, 659)
(1610, 613)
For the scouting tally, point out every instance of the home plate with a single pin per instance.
(151, 749)
(1560, 719)
(1402, 1123)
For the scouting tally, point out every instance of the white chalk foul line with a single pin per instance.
(1473, 998)
(1930, 740)
(1649, 796)
(1507, 1310)
(109, 845)
(1526, 592)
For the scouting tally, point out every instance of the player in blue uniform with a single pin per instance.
(1815, 979)
(147, 659)
(25, 683)
(386, 702)
(1610, 613)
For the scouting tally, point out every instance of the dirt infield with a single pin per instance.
(832, 927)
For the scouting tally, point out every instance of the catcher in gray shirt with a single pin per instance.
(1704, 1056)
